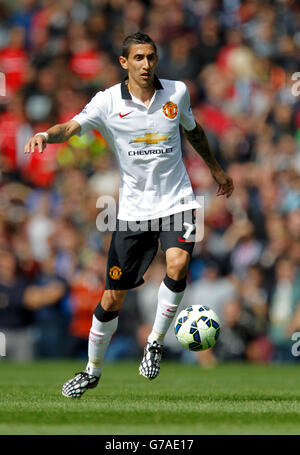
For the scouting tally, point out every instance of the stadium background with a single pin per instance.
(237, 58)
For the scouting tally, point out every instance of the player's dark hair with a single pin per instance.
(136, 38)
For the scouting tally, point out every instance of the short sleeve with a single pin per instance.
(93, 114)
(186, 117)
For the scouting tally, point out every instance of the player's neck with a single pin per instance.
(142, 93)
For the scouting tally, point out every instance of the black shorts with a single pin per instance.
(132, 250)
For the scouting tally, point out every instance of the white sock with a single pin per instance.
(167, 305)
(99, 338)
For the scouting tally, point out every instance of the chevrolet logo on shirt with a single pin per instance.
(150, 138)
(150, 152)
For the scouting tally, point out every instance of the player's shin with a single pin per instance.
(170, 295)
(103, 327)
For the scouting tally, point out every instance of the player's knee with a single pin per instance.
(112, 300)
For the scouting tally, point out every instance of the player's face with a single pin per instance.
(140, 64)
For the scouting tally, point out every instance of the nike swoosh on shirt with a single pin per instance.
(182, 240)
(124, 115)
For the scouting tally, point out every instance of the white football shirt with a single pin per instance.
(146, 141)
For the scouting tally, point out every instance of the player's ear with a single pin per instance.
(123, 62)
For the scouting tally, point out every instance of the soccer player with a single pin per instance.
(141, 118)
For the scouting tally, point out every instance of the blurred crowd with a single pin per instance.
(237, 58)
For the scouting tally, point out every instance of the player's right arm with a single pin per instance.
(56, 134)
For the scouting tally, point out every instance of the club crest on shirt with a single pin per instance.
(115, 272)
(170, 109)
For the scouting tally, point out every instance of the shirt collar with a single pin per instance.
(126, 94)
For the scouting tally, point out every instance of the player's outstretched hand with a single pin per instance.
(38, 141)
(225, 183)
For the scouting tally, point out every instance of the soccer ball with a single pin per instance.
(197, 328)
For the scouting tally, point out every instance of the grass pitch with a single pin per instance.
(183, 400)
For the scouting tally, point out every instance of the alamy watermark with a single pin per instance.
(295, 89)
(192, 228)
(296, 337)
(2, 84)
(2, 344)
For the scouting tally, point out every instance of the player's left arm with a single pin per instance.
(198, 140)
